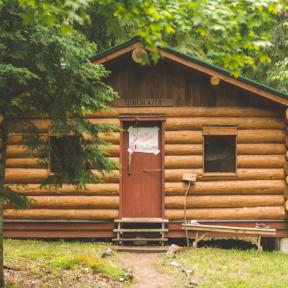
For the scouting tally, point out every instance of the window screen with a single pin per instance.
(65, 153)
(219, 153)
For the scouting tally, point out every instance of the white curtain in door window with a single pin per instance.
(143, 139)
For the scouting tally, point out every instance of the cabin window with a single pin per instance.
(65, 153)
(220, 149)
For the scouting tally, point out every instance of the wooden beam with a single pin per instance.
(273, 212)
(223, 201)
(65, 214)
(248, 187)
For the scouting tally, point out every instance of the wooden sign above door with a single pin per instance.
(134, 102)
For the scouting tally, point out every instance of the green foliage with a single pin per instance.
(65, 262)
(50, 75)
(275, 73)
(232, 34)
(16, 200)
(229, 33)
(104, 267)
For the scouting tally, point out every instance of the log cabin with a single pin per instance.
(181, 116)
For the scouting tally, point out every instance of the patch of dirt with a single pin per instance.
(142, 265)
(66, 279)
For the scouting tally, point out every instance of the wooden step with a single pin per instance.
(140, 230)
(140, 239)
(141, 220)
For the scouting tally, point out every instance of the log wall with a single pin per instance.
(255, 192)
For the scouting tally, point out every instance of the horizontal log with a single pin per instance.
(18, 151)
(286, 206)
(113, 138)
(176, 123)
(183, 137)
(22, 151)
(260, 161)
(99, 189)
(43, 124)
(112, 150)
(14, 151)
(24, 175)
(257, 187)
(261, 149)
(35, 162)
(191, 112)
(243, 161)
(34, 175)
(184, 149)
(242, 149)
(274, 212)
(195, 161)
(24, 163)
(220, 201)
(62, 214)
(173, 124)
(172, 175)
(20, 139)
(72, 202)
(244, 136)
(111, 177)
(185, 112)
(261, 136)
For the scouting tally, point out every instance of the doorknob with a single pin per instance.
(152, 170)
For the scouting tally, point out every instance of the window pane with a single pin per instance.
(65, 153)
(219, 153)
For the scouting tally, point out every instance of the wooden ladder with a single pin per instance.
(140, 230)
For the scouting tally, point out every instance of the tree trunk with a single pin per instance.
(4, 136)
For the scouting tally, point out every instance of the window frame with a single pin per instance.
(220, 131)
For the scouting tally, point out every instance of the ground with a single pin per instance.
(37, 264)
(144, 268)
(62, 264)
(229, 268)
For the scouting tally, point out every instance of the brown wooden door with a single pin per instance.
(142, 182)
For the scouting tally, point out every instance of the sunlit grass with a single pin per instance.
(75, 264)
(213, 267)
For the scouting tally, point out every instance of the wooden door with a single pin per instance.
(142, 176)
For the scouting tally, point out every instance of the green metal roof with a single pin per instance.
(197, 61)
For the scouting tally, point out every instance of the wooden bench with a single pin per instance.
(256, 232)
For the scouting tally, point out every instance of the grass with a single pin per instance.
(60, 264)
(220, 268)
